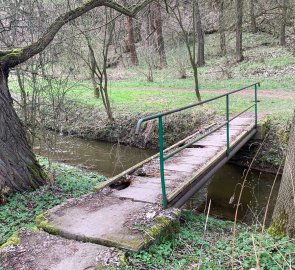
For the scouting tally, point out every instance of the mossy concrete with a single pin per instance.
(110, 221)
(12, 240)
(42, 222)
(166, 224)
(262, 128)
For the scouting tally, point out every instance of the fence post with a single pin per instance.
(227, 126)
(161, 145)
(256, 106)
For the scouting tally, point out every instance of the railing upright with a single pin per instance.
(227, 126)
(161, 146)
(256, 106)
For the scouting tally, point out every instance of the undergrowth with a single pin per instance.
(21, 209)
(194, 249)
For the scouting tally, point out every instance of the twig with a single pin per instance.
(240, 195)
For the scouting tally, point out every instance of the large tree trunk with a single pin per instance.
(283, 219)
(239, 31)
(159, 34)
(200, 35)
(19, 169)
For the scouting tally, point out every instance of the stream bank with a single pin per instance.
(90, 124)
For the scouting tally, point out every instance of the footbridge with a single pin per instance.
(178, 172)
(143, 203)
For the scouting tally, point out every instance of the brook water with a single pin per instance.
(223, 190)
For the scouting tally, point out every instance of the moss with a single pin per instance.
(42, 223)
(12, 53)
(123, 260)
(12, 240)
(278, 227)
(164, 227)
(115, 241)
(98, 187)
(37, 171)
(15, 52)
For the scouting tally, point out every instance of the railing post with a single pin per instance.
(161, 145)
(256, 106)
(227, 126)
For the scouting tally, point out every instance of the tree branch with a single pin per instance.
(15, 57)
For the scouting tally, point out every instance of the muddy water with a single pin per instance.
(225, 188)
(105, 158)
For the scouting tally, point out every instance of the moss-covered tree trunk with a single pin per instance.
(283, 219)
(19, 169)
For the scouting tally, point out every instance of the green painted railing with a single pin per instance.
(160, 116)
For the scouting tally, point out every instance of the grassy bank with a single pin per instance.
(208, 244)
(21, 209)
(202, 242)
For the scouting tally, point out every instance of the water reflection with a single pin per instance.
(224, 191)
(105, 158)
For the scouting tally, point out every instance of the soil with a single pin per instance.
(282, 94)
(40, 250)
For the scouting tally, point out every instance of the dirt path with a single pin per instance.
(281, 94)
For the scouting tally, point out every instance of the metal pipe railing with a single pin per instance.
(159, 116)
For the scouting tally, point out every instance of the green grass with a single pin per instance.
(129, 97)
(213, 250)
(135, 100)
(271, 65)
(22, 208)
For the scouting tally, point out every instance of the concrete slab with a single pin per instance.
(40, 250)
(104, 219)
(98, 219)
(201, 152)
(141, 193)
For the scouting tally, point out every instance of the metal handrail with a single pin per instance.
(159, 116)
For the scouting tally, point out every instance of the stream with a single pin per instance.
(222, 192)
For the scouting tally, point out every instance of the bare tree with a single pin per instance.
(176, 12)
(159, 33)
(98, 67)
(19, 169)
(253, 24)
(221, 21)
(200, 34)
(239, 30)
(283, 22)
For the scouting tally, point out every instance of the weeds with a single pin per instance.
(21, 209)
(190, 250)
